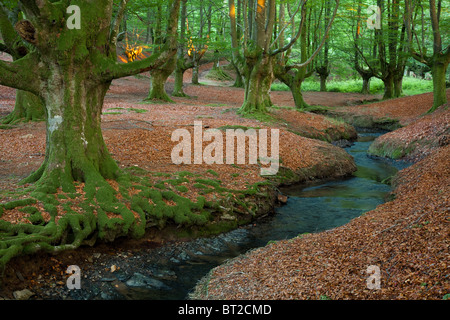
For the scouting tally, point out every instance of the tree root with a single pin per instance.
(54, 220)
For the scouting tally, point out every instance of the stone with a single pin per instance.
(342, 143)
(96, 255)
(24, 294)
(282, 198)
(227, 216)
(140, 280)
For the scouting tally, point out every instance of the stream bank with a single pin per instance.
(407, 238)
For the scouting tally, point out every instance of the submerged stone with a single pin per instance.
(140, 280)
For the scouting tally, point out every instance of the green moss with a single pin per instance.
(391, 149)
(138, 110)
(17, 203)
(182, 188)
(103, 216)
(210, 171)
(112, 113)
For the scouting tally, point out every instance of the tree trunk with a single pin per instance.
(181, 62)
(323, 82)
(258, 81)
(388, 87)
(398, 86)
(438, 71)
(298, 97)
(366, 85)
(158, 81)
(195, 73)
(178, 84)
(238, 81)
(75, 146)
(28, 107)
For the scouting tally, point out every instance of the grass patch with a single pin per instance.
(112, 113)
(411, 86)
(138, 110)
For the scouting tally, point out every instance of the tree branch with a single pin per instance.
(116, 24)
(287, 24)
(293, 40)
(311, 58)
(119, 70)
(8, 33)
(20, 74)
(114, 70)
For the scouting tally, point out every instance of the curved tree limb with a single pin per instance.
(20, 74)
(299, 31)
(311, 58)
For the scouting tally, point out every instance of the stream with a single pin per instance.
(171, 271)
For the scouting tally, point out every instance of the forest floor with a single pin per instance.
(139, 135)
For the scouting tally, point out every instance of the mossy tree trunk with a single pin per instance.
(158, 81)
(398, 84)
(388, 87)
(293, 78)
(71, 71)
(179, 78)
(75, 147)
(238, 81)
(392, 50)
(393, 84)
(438, 71)
(195, 71)
(28, 107)
(257, 84)
(439, 59)
(366, 85)
(182, 63)
(255, 62)
(323, 75)
(323, 68)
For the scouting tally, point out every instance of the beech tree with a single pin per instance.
(255, 56)
(160, 74)
(70, 67)
(439, 58)
(27, 106)
(322, 65)
(365, 51)
(292, 71)
(71, 70)
(189, 54)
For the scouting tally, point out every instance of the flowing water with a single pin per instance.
(170, 272)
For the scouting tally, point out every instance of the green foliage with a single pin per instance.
(411, 86)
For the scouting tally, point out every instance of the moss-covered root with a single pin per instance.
(95, 212)
(26, 238)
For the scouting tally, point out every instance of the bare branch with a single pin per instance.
(311, 58)
(295, 38)
(287, 24)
